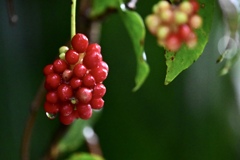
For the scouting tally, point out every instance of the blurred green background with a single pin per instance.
(195, 117)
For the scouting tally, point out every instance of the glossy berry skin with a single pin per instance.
(48, 69)
(64, 92)
(71, 57)
(99, 91)
(53, 80)
(104, 65)
(67, 75)
(84, 111)
(94, 47)
(88, 81)
(51, 107)
(99, 74)
(92, 59)
(84, 95)
(52, 97)
(75, 82)
(79, 42)
(66, 109)
(67, 119)
(79, 70)
(97, 103)
(59, 65)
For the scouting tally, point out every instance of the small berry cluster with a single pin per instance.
(174, 25)
(75, 81)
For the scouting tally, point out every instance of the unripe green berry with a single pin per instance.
(180, 17)
(63, 49)
(166, 15)
(62, 56)
(163, 5)
(162, 32)
(186, 7)
(155, 8)
(195, 22)
(152, 22)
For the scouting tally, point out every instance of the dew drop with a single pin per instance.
(50, 115)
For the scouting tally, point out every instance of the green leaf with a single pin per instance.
(74, 136)
(136, 30)
(84, 156)
(182, 59)
(100, 6)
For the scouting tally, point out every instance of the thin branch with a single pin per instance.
(36, 103)
(12, 16)
(73, 17)
(92, 141)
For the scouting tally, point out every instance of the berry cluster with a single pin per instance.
(74, 81)
(174, 25)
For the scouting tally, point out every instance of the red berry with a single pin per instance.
(48, 69)
(67, 119)
(97, 103)
(53, 80)
(79, 42)
(64, 92)
(88, 80)
(92, 59)
(184, 31)
(71, 57)
(94, 47)
(66, 109)
(52, 97)
(99, 73)
(59, 65)
(84, 111)
(99, 91)
(104, 65)
(51, 107)
(173, 42)
(84, 95)
(75, 83)
(79, 70)
(47, 86)
(195, 5)
(67, 75)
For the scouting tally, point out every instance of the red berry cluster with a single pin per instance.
(174, 25)
(75, 81)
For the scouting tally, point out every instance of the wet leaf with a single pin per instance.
(100, 6)
(136, 30)
(182, 59)
(74, 136)
(84, 156)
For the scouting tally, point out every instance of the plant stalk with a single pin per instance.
(73, 18)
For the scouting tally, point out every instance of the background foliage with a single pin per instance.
(195, 117)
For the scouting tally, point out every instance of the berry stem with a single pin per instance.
(73, 18)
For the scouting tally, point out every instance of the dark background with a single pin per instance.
(195, 117)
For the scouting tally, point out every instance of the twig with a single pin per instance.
(12, 16)
(92, 141)
(36, 103)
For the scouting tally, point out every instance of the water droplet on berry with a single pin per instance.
(51, 115)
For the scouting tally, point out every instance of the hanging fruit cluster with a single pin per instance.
(174, 25)
(75, 81)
